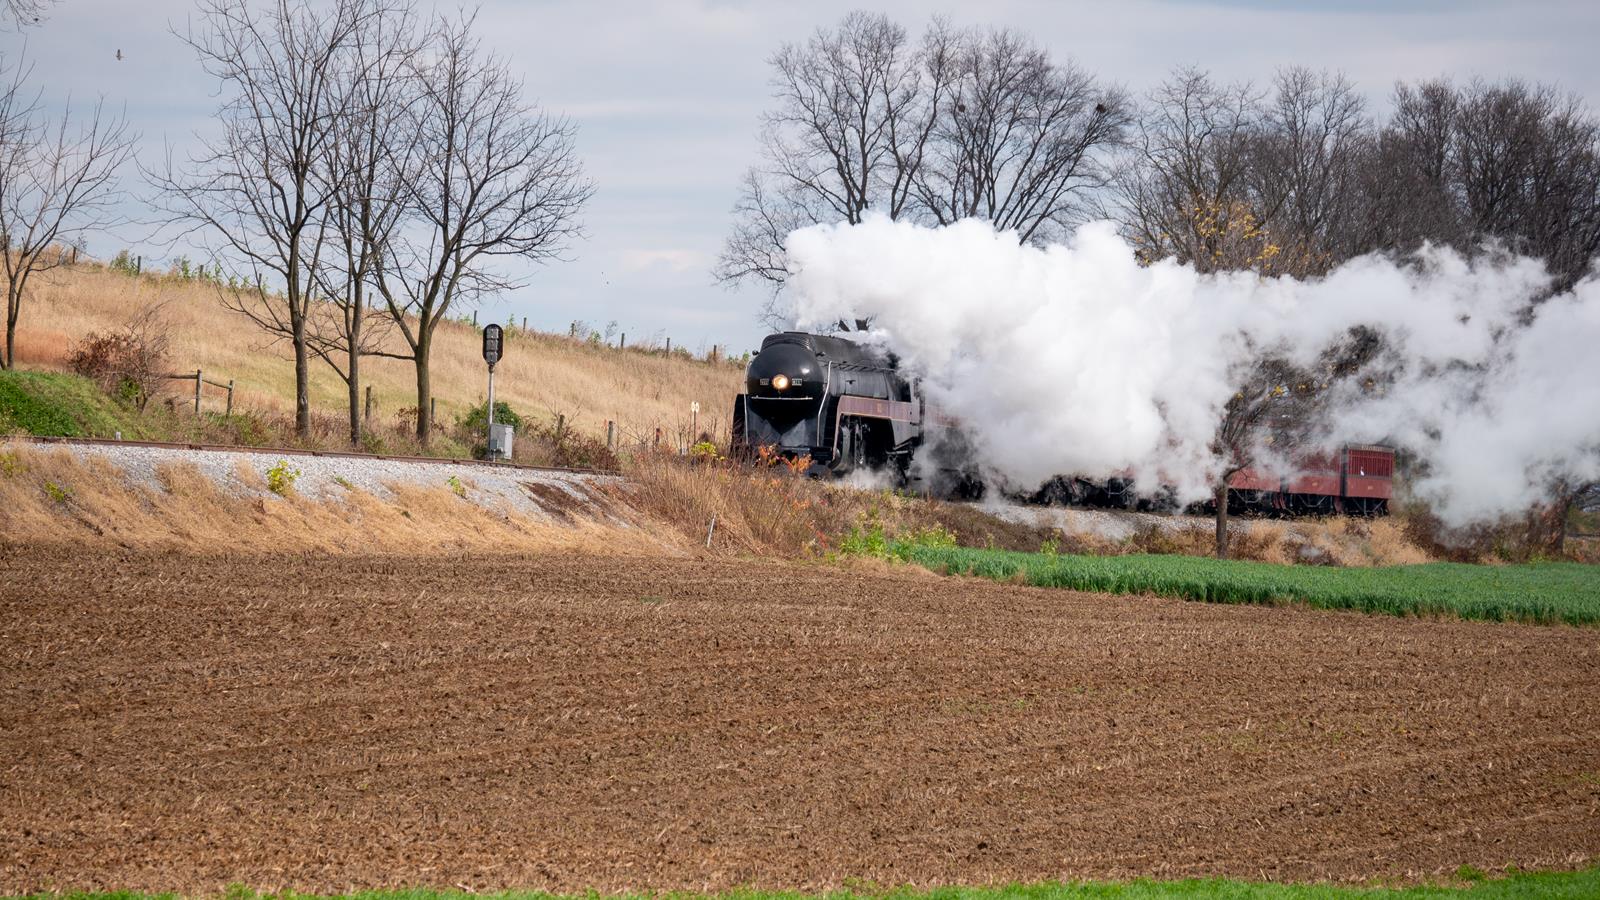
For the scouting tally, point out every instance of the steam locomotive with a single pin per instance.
(830, 400)
(848, 408)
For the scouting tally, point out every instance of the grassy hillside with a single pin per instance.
(542, 375)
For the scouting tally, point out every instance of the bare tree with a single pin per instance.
(1020, 139)
(58, 181)
(255, 195)
(1307, 166)
(1513, 163)
(960, 124)
(25, 12)
(1189, 169)
(367, 165)
(496, 179)
(855, 108)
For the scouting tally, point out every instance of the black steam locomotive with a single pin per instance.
(842, 405)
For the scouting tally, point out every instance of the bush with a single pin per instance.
(281, 478)
(475, 423)
(131, 363)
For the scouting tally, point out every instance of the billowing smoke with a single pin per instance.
(1075, 358)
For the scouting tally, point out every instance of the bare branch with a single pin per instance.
(58, 182)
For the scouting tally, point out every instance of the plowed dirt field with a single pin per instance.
(173, 722)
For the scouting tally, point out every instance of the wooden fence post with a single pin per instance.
(230, 397)
(622, 342)
(433, 410)
(524, 323)
(669, 346)
(197, 384)
(611, 435)
(561, 425)
(366, 413)
(474, 317)
(657, 444)
(138, 265)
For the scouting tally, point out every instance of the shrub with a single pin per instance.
(58, 492)
(125, 263)
(281, 478)
(130, 363)
(475, 423)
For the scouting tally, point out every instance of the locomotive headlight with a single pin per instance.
(780, 382)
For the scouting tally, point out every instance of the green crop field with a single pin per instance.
(1544, 885)
(1536, 592)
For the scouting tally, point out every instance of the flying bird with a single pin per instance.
(119, 55)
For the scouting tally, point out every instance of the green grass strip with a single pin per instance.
(1553, 885)
(1545, 593)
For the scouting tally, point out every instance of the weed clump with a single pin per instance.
(281, 478)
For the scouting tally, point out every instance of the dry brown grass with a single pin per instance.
(542, 375)
(771, 511)
(53, 496)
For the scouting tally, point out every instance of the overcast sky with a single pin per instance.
(667, 97)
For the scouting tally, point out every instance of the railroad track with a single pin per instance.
(297, 451)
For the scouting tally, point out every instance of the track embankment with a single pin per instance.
(571, 721)
(129, 494)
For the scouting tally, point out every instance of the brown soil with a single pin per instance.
(173, 722)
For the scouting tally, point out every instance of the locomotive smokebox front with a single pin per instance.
(786, 380)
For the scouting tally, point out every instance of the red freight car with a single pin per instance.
(1358, 480)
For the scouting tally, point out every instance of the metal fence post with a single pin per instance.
(197, 383)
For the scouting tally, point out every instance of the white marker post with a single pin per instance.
(694, 421)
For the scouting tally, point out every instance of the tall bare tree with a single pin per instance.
(855, 107)
(367, 167)
(495, 180)
(1309, 157)
(1510, 162)
(1020, 140)
(958, 124)
(255, 195)
(58, 182)
(1189, 169)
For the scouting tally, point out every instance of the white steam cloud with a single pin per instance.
(1075, 358)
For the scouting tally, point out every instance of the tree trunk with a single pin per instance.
(424, 393)
(302, 382)
(13, 306)
(355, 396)
(1222, 520)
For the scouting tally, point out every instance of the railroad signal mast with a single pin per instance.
(499, 438)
